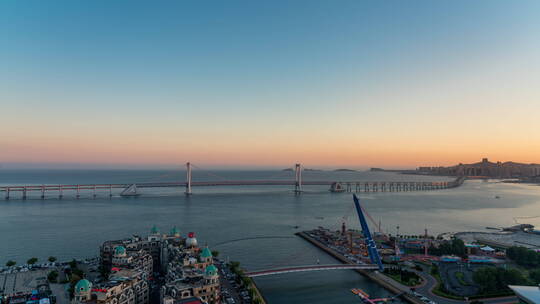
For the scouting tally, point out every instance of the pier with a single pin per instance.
(373, 275)
(297, 185)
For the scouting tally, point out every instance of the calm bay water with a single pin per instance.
(70, 228)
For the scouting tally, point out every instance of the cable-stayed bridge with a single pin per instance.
(130, 189)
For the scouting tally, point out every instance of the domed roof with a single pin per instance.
(191, 241)
(206, 253)
(211, 270)
(174, 231)
(119, 250)
(154, 230)
(83, 286)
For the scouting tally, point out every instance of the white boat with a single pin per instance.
(130, 191)
(337, 187)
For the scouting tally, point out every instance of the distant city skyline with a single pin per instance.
(241, 84)
(182, 166)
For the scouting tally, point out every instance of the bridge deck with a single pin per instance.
(209, 184)
(335, 186)
(268, 272)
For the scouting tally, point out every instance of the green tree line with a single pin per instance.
(523, 256)
(494, 279)
(453, 247)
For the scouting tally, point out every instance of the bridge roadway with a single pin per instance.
(275, 271)
(214, 183)
(336, 186)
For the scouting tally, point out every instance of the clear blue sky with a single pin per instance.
(268, 82)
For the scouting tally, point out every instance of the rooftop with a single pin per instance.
(206, 253)
(529, 294)
(191, 300)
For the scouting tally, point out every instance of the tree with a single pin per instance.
(252, 292)
(215, 253)
(487, 279)
(246, 281)
(73, 264)
(234, 265)
(78, 272)
(434, 270)
(523, 256)
(32, 261)
(455, 247)
(492, 279)
(52, 259)
(511, 277)
(534, 275)
(72, 282)
(10, 263)
(52, 276)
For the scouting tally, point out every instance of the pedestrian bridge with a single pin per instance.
(267, 272)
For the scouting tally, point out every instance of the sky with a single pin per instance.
(233, 83)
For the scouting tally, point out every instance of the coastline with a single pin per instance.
(258, 292)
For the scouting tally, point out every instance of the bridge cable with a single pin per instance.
(209, 173)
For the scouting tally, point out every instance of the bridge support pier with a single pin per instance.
(78, 191)
(42, 192)
(188, 179)
(110, 190)
(94, 191)
(24, 193)
(60, 192)
(7, 193)
(298, 178)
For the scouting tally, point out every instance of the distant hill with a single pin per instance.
(345, 170)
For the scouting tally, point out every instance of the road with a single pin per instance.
(449, 271)
(430, 283)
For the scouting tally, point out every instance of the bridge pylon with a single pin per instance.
(370, 243)
(188, 179)
(298, 178)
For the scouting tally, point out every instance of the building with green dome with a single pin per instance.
(206, 255)
(211, 276)
(174, 232)
(120, 250)
(130, 289)
(154, 234)
(188, 268)
(83, 286)
(82, 290)
(211, 270)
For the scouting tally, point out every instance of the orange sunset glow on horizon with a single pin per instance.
(323, 91)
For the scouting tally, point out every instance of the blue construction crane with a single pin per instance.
(370, 243)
